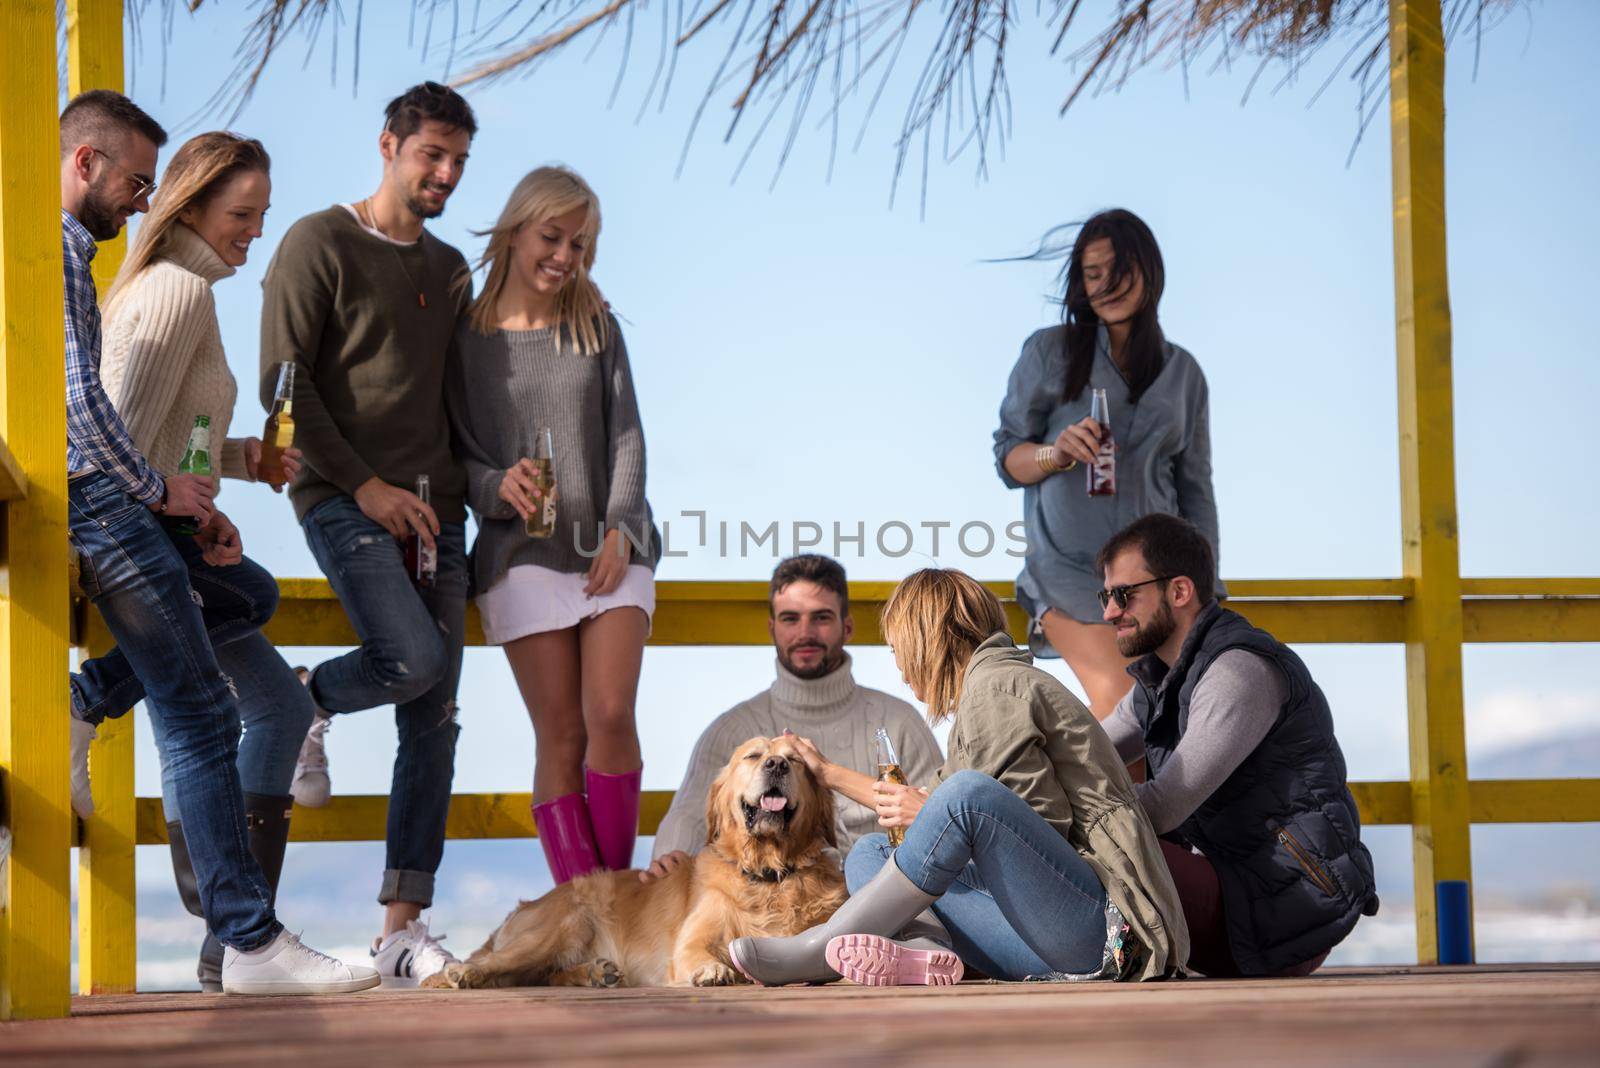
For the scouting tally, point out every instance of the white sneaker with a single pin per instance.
(407, 957)
(82, 800)
(311, 786)
(288, 966)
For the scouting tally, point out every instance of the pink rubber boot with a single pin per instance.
(567, 837)
(614, 809)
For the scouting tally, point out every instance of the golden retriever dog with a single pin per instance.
(763, 871)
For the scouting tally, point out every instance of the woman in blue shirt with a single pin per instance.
(1110, 338)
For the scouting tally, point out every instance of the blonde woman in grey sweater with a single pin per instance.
(540, 351)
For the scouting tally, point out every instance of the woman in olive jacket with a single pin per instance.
(1030, 858)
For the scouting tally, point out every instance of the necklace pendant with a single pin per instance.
(422, 301)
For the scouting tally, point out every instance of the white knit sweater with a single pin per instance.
(837, 715)
(162, 361)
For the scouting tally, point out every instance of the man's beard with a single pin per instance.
(831, 659)
(1148, 637)
(422, 211)
(98, 214)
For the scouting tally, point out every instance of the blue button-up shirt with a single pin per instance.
(97, 439)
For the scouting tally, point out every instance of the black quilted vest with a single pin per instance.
(1282, 831)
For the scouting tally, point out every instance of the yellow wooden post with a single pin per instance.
(35, 918)
(1441, 833)
(106, 898)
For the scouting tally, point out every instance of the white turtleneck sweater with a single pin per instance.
(837, 715)
(163, 362)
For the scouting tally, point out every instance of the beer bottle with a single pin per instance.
(279, 434)
(889, 771)
(196, 461)
(422, 560)
(542, 524)
(1102, 474)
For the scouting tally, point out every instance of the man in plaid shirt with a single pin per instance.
(136, 571)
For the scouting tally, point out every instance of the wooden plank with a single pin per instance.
(1531, 587)
(1441, 838)
(107, 900)
(35, 918)
(1538, 619)
(319, 620)
(1535, 800)
(360, 818)
(95, 61)
(1299, 611)
(1401, 1016)
(13, 480)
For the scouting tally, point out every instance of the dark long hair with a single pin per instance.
(1136, 253)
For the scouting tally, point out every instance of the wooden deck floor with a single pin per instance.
(1459, 1017)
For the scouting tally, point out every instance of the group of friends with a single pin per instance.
(1028, 848)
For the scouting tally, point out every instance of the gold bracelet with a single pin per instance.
(1045, 457)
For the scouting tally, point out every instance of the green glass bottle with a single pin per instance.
(196, 461)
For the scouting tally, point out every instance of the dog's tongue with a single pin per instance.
(774, 804)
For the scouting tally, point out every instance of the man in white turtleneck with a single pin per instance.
(815, 696)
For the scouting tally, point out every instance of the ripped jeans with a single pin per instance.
(142, 579)
(410, 657)
(236, 601)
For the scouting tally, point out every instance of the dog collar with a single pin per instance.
(767, 875)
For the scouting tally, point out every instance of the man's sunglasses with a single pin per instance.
(142, 186)
(1120, 594)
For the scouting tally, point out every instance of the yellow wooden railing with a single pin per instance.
(1430, 609)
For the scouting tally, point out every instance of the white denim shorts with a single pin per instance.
(529, 599)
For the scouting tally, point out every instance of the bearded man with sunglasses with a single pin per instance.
(1246, 781)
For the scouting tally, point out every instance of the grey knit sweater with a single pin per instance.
(509, 384)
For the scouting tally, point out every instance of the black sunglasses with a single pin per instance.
(1119, 594)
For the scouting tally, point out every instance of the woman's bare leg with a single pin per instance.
(1090, 650)
(612, 650)
(546, 667)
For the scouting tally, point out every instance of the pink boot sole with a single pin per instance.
(872, 960)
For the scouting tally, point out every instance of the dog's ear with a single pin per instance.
(716, 816)
(822, 812)
(827, 813)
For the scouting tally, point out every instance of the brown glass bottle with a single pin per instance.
(1101, 476)
(422, 559)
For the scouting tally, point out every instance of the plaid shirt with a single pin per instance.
(96, 436)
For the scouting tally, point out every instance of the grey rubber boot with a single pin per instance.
(182, 869)
(266, 820)
(885, 906)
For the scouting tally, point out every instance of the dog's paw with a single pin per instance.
(602, 974)
(714, 974)
(607, 974)
(453, 976)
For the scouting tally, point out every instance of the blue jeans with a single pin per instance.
(235, 601)
(410, 656)
(139, 577)
(1016, 896)
(274, 708)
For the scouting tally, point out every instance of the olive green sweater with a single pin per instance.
(1021, 726)
(369, 390)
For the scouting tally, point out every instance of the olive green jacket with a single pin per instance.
(1023, 727)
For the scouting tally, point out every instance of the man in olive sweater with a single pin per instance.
(364, 300)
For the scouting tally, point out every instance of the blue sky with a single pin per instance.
(805, 351)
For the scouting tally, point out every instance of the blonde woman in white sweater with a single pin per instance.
(163, 365)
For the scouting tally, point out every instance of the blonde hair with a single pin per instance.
(197, 171)
(581, 318)
(935, 619)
